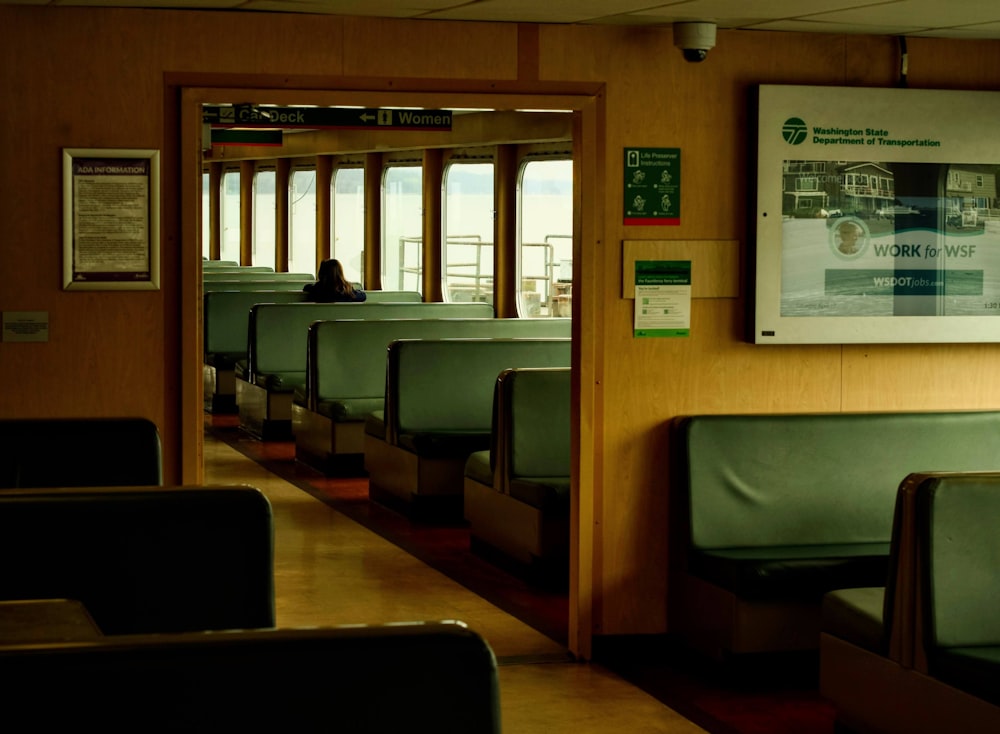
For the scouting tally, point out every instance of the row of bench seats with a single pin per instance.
(776, 510)
(277, 339)
(197, 563)
(921, 653)
(346, 377)
(438, 409)
(226, 316)
(517, 493)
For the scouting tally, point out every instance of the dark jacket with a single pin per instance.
(325, 293)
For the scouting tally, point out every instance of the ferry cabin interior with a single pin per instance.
(138, 79)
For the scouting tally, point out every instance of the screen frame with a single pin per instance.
(937, 127)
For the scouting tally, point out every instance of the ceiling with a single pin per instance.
(939, 18)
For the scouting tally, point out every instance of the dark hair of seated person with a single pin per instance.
(331, 285)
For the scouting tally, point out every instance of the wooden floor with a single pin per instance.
(330, 570)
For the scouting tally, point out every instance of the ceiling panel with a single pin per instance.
(955, 19)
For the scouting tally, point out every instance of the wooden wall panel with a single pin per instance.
(380, 47)
(715, 264)
(116, 354)
(921, 377)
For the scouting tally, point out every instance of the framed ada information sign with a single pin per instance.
(877, 216)
(111, 219)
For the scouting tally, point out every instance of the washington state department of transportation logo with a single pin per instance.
(794, 131)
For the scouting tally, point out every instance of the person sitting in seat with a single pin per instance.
(331, 285)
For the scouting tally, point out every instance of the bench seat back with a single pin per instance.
(345, 371)
(424, 678)
(446, 386)
(252, 273)
(212, 286)
(143, 559)
(226, 316)
(79, 452)
(818, 479)
(532, 435)
(278, 333)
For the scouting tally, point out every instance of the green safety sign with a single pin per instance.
(652, 186)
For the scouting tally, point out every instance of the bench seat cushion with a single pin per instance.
(550, 494)
(855, 616)
(478, 469)
(348, 409)
(975, 670)
(283, 382)
(375, 424)
(792, 571)
(440, 445)
(223, 360)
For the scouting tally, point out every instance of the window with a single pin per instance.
(348, 222)
(230, 216)
(402, 238)
(545, 237)
(467, 248)
(263, 218)
(302, 221)
(205, 216)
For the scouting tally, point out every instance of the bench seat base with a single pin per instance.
(332, 447)
(519, 530)
(873, 693)
(792, 571)
(264, 414)
(219, 389)
(416, 485)
(719, 623)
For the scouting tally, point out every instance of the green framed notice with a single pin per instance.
(662, 298)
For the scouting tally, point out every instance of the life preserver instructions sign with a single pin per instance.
(652, 186)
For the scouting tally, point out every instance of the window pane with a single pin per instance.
(467, 252)
(230, 203)
(402, 202)
(348, 236)
(263, 218)
(204, 216)
(545, 248)
(302, 221)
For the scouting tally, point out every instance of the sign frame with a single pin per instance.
(859, 236)
(111, 219)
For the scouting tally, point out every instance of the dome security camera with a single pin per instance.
(695, 39)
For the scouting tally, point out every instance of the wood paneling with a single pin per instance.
(115, 353)
(715, 264)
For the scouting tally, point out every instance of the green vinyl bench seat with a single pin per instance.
(225, 316)
(930, 636)
(438, 410)
(277, 341)
(345, 377)
(517, 493)
(777, 509)
(958, 551)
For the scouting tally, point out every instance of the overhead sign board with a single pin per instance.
(346, 118)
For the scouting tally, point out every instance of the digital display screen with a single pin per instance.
(878, 218)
